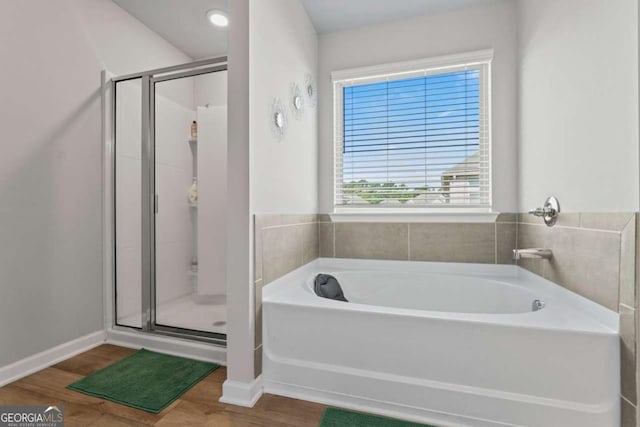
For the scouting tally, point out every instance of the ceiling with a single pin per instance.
(336, 15)
(182, 23)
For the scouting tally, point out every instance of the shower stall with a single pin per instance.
(166, 175)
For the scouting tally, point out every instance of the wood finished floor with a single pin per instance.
(197, 407)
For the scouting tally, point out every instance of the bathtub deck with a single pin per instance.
(198, 406)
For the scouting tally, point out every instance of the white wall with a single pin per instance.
(578, 105)
(284, 49)
(51, 162)
(124, 45)
(490, 26)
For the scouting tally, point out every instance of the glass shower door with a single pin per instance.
(189, 171)
(127, 209)
(169, 183)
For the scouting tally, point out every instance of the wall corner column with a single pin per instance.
(240, 388)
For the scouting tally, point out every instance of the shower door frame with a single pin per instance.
(149, 198)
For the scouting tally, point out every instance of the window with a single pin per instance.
(414, 135)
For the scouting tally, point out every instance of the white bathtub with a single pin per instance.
(448, 344)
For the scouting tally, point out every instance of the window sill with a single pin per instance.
(413, 215)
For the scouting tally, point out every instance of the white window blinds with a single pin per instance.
(417, 138)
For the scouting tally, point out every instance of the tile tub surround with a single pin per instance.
(594, 255)
(282, 243)
(477, 242)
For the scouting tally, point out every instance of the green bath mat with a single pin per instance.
(340, 418)
(145, 380)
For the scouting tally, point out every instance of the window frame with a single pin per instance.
(401, 70)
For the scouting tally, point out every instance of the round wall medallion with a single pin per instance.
(278, 119)
(296, 102)
(310, 90)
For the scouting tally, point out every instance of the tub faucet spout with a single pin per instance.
(538, 253)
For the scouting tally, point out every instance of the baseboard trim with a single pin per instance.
(241, 394)
(174, 346)
(46, 358)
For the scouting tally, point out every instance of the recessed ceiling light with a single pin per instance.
(218, 18)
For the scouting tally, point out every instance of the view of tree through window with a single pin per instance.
(415, 141)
